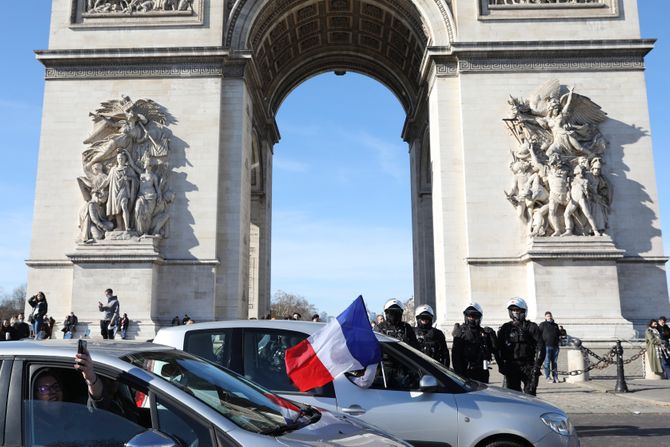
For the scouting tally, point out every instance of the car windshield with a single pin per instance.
(422, 359)
(245, 404)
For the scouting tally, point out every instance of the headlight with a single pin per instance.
(558, 423)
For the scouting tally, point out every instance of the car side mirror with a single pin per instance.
(152, 438)
(428, 383)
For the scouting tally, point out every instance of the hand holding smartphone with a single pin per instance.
(82, 346)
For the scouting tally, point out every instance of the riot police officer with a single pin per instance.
(521, 349)
(432, 341)
(393, 326)
(474, 346)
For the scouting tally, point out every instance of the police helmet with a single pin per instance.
(424, 309)
(474, 311)
(472, 308)
(521, 304)
(390, 303)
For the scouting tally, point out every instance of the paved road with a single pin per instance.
(606, 419)
(622, 430)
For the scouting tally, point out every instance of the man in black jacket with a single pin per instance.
(551, 335)
(432, 341)
(474, 346)
(664, 331)
(393, 326)
(521, 349)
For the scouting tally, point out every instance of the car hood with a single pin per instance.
(339, 430)
(516, 397)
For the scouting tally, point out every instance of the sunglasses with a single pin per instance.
(46, 389)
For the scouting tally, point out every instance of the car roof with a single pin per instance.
(307, 327)
(68, 348)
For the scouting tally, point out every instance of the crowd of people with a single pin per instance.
(521, 348)
(40, 326)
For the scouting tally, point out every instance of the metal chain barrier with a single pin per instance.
(602, 362)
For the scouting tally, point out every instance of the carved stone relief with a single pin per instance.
(126, 169)
(558, 187)
(125, 7)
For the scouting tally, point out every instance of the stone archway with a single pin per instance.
(288, 42)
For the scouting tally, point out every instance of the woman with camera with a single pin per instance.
(39, 304)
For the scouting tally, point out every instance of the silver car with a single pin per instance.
(154, 396)
(412, 396)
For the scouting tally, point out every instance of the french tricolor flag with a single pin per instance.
(346, 343)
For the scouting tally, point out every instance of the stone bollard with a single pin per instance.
(648, 373)
(577, 360)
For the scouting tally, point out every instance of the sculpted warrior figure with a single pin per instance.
(600, 196)
(557, 131)
(148, 195)
(556, 175)
(122, 190)
(580, 196)
(92, 220)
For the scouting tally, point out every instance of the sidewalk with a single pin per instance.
(597, 396)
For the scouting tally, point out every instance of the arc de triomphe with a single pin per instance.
(527, 128)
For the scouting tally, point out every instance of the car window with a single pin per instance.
(242, 402)
(186, 429)
(396, 372)
(69, 420)
(212, 345)
(264, 353)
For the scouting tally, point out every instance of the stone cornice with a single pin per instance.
(549, 56)
(114, 63)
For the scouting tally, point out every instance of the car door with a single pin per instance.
(395, 403)
(264, 352)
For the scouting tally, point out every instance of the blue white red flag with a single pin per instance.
(346, 343)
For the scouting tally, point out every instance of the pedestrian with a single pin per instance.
(22, 328)
(520, 349)
(431, 340)
(111, 317)
(551, 335)
(296, 316)
(70, 325)
(185, 319)
(175, 321)
(316, 318)
(664, 331)
(123, 324)
(6, 331)
(393, 326)
(657, 354)
(51, 322)
(474, 346)
(40, 307)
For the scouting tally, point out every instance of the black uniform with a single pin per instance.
(473, 345)
(520, 354)
(433, 343)
(402, 331)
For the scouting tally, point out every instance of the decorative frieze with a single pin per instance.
(547, 9)
(134, 71)
(632, 63)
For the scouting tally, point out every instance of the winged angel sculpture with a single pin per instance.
(126, 169)
(558, 187)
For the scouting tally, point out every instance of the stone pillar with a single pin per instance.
(130, 269)
(448, 193)
(234, 205)
(422, 222)
(576, 277)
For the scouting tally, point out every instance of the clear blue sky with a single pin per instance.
(341, 216)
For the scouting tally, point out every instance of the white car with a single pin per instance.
(154, 396)
(412, 397)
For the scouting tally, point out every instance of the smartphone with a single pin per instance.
(81, 346)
